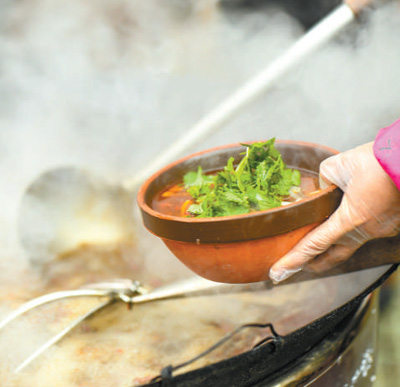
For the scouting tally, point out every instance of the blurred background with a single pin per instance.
(107, 85)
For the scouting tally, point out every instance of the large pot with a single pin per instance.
(330, 351)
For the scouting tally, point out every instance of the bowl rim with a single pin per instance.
(150, 212)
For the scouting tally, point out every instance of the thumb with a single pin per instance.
(340, 169)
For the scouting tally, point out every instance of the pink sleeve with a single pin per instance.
(387, 151)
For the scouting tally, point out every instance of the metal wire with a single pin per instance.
(120, 289)
(61, 334)
(125, 290)
(166, 372)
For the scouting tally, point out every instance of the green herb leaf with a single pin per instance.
(197, 179)
(259, 182)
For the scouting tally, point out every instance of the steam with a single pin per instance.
(107, 85)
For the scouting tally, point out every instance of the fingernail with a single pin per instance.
(282, 274)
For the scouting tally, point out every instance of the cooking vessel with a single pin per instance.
(238, 248)
(258, 366)
(300, 315)
(288, 340)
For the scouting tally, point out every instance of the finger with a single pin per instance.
(315, 243)
(329, 259)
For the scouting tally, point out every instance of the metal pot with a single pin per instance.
(311, 354)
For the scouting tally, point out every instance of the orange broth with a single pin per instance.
(175, 200)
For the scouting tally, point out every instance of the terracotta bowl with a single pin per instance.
(240, 248)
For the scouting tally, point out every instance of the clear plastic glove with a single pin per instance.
(370, 208)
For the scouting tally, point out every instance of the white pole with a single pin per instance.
(310, 42)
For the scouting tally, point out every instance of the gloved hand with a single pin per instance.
(370, 208)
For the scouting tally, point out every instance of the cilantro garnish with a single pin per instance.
(258, 182)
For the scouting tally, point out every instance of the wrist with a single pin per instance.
(387, 151)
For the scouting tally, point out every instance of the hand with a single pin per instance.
(370, 208)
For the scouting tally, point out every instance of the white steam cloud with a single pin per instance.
(107, 85)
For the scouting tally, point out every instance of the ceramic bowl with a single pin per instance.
(240, 248)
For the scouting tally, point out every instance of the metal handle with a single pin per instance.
(47, 298)
(114, 289)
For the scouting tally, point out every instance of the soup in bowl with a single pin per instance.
(239, 248)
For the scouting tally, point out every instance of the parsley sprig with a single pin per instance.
(258, 182)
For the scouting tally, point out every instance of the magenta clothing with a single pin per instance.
(387, 151)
